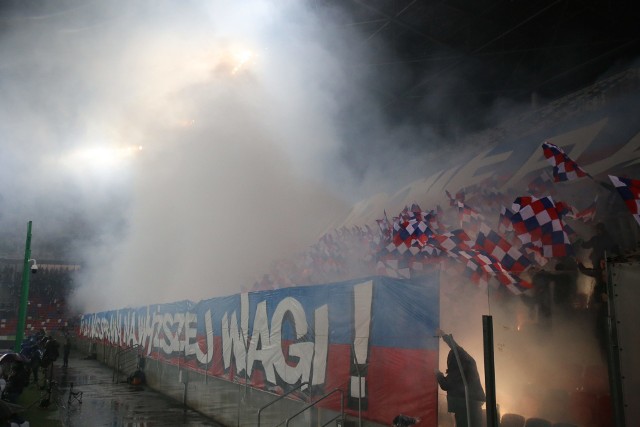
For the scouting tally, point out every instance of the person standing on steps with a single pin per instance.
(465, 395)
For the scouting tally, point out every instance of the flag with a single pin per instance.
(437, 220)
(385, 226)
(504, 220)
(536, 221)
(410, 231)
(454, 201)
(629, 190)
(497, 246)
(479, 266)
(535, 253)
(469, 218)
(587, 214)
(565, 209)
(452, 241)
(564, 169)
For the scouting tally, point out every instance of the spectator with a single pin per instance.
(404, 421)
(601, 244)
(539, 298)
(66, 349)
(18, 379)
(564, 285)
(51, 351)
(34, 365)
(462, 384)
(599, 303)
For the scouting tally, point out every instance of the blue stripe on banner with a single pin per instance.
(404, 313)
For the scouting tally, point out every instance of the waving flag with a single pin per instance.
(385, 226)
(564, 169)
(504, 221)
(479, 265)
(536, 221)
(454, 201)
(411, 230)
(629, 190)
(469, 218)
(587, 214)
(453, 241)
(498, 247)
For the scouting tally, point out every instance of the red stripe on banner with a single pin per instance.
(398, 381)
(403, 381)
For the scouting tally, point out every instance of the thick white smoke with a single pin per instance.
(176, 148)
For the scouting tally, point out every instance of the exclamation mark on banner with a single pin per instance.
(362, 299)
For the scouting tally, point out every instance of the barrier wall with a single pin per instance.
(376, 332)
(623, 300)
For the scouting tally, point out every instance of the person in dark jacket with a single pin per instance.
(18, 379)
(454, 384)
(66, 349)
(601, 245)
(599, 303)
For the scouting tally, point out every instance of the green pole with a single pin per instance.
(24, 292)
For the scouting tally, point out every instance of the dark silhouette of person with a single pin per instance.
(18, 379)
(459, 372)
(601, 244)
(540, 297)
(35, 365)
(404, 421)
(599, 303)
(66, 349)
(50, 353)
(564, 289)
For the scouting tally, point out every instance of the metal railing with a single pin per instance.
(340, 415)
(278, 399)
(122, 363)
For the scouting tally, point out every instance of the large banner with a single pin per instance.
(372, 338)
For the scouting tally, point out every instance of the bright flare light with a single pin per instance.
(101, 158)
(241, 59)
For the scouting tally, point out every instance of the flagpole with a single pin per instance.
(24, 292)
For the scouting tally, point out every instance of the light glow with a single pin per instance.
(100, 158)
(242, 59)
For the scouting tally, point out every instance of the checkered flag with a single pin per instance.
(588, 214)
(564, 169)
(480, 266)
(453, 201)
(453, 241)
(536, 221)
(629, 190)
(469, 218)
(497, 246)
(504, 221)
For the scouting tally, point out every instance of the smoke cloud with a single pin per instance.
(175, 149)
